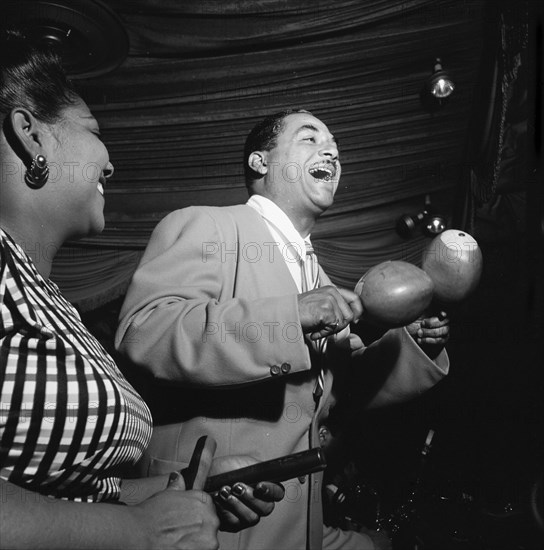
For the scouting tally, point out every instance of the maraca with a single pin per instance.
(454, 262)
(396, 293)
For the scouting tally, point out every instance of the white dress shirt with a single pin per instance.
(289, 243)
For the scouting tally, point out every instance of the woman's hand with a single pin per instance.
(241, 505)
(176, 518)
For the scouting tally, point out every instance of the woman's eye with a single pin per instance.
(309, 138)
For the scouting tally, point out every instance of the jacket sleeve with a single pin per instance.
(182, 321)
(394, 369)
(391, 370)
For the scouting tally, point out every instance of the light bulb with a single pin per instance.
(443, 87)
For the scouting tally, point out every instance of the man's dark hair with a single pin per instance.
(264, 137)
(32, 77)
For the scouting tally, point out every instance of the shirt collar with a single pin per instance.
(275, 216)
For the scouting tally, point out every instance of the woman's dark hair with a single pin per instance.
(263, 137)
(32, 77)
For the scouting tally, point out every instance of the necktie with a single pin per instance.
(310, 270)
(310, 281)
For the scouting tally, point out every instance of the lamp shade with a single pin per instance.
(440, 84)
(87, 34)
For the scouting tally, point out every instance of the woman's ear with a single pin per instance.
(257, 162)
(27, 132)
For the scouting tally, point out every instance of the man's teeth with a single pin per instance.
(322, 173)
(100, 188)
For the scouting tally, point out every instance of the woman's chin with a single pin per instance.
(94, 229)
(97, 229)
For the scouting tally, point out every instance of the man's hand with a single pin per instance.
(242, 506)
(328, 310)
(431, 333)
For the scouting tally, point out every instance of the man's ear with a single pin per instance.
(257, 162)
(27, 132)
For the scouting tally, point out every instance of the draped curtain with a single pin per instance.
(200, 74)
(498, 167)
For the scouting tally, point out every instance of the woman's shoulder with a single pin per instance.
(23, 291)
(12, 256)
(2, 256)
(10, 263)
(16, 267)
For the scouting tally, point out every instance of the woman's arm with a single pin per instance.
(170, 519)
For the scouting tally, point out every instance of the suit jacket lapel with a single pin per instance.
(254, 231)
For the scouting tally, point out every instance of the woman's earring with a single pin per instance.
(36, 176)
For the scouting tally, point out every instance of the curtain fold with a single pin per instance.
(190, 27)
(497, 162)
(501, 128)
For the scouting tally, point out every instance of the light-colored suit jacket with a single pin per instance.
(212, 314)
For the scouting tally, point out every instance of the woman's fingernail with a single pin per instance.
(238, 489)
(262, 490)
(173, 477)
(224, 492)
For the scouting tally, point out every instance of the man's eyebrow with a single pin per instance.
(314, 129)
(308, 127)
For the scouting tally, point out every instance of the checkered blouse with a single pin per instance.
(69, 421)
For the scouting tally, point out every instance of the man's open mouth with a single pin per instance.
(323, 171)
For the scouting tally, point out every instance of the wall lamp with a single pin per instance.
(437, 88)
(439, 84)
(430, 222)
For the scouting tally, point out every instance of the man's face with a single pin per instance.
(303, 168)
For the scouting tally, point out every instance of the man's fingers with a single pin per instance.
(433, 336)
(435, 322)
(328, 310)
(347, 306)
(438, 332)
(432, 341)
(354, 302)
